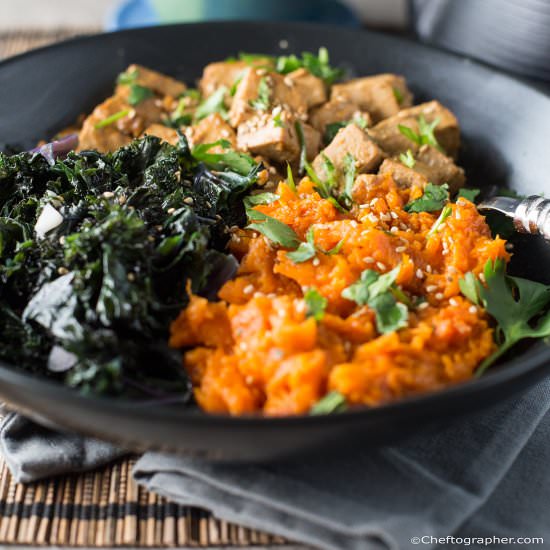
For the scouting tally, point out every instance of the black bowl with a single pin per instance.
(505, 128)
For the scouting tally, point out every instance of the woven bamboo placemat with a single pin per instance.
(104, 508)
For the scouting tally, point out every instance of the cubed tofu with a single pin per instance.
(210, 129)
(277, 141)
(158, 82)
(226, 73)
(430, 166)
(280, 94)
(336, 110)
(393, 142)
(355, 141)
(382, 95)
(106, 138)
(163, 132)
(313, 89)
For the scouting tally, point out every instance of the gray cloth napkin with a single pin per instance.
(481, 476)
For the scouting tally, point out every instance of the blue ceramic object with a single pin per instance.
(141, 13)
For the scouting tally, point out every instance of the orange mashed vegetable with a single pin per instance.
(257, 351)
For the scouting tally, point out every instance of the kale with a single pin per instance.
(91, 301)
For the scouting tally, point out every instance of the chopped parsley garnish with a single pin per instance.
(230, 159)
(425, 135)
(468, 194)
(261, 103)
(214, 103)
(445, 213)
(318, 65)
(277, 232)
(375, 291)
(277, 121)
(306, 250)
(515, 303)
(407, 159)
(138, 94)
(434, 198)
(112, 119)
(316, 304)
(128, 77)
(332, 402)
(398, 94)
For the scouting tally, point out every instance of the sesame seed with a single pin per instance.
(385, 217)
(457, 215)
(453, 302)
(482, 277)
(364, 206)
(171, 210)
(423, 305)
(394, 229)
(394, 215)
(248, 289)
(439, 296)
(353, 223)
(472, 309)
(121, 200)
(429, 268)
(369, 260)
(108, 195)
(62, 240)
(131, 277)
(62, 271)
(316, 262)
(431, 288)
(243, 345)
(403, 226)
(419, 273)
(249, 380)
(380, 265)
(452, 269)
(400, 249)
(372, 218)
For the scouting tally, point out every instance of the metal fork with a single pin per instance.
(530, 215)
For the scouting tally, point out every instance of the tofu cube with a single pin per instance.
(382, 95)
(311, 88)
(210, 129)
(158, 82)
(336, 110)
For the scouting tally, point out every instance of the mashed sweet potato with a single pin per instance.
(257, 351)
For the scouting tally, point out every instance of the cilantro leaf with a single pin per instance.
(316, 304)
(335, 249)
(127, 77)
(214, 103)
(433, 199)
(278, 121)
(515, 304)
(468, 194)
(425, 135)
(306, 250)
(332, 402)
(375, 290)
(276, 231)
(138, 94)
(407, 159)
(261, 103)
(318, 65)
(235, 161)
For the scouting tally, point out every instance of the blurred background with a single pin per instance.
(511, 34)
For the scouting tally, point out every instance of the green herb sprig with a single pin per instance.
(276, 231)
(316, 304)
(332, 402)
(425, 135)
(517, 305)
(375, 291)
(434, 198)
(261, 103)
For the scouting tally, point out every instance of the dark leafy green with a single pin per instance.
(100, 289)
(317, 65)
